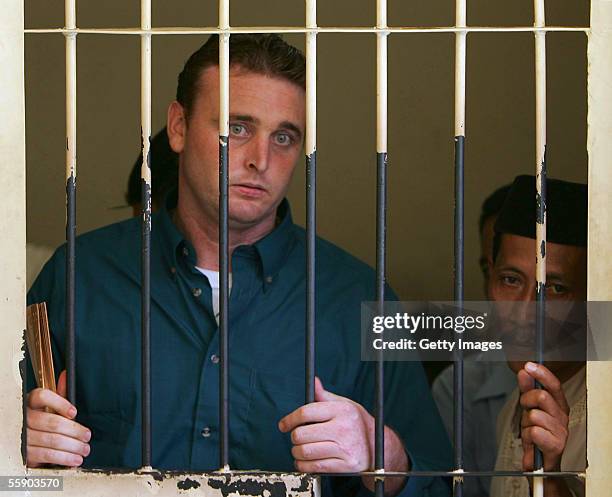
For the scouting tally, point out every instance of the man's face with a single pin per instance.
(513, 277)
(267, 117)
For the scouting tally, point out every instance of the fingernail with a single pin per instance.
(77, 460)
(88, 436)
(87, 450)
(72, 412)
(531, 367)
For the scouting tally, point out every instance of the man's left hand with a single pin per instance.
(545, 418)
(331, 435)
(336, 435)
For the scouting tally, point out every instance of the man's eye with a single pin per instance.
(556, 289)
(283, 139)
(237, 129)
(510, 280)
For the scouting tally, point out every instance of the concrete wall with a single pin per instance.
(500, 118)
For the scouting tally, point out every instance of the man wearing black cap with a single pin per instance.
(554, 418)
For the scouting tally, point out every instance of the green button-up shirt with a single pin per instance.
(266, 343)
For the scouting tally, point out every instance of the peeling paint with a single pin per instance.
(249, 487)
(187, 484)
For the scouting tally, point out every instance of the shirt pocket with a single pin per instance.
(110, 432)
(273, 396)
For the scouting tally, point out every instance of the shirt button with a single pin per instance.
(173, 270)
(206, 432)
(185, 251)
(269, 279)
(196, 292)
(214, 359)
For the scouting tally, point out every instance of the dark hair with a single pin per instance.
(492, 205)
(164, 171)
(266, 54)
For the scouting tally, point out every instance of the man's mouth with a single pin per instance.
(253, 190)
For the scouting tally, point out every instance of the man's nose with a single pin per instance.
(257, 154)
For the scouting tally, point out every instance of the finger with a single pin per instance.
(316, 412)
(46, 455)
(317, 450)
(323, 466)
(61, 384)
(537, 417)
(549, 381)
(318, 432)
(543, 400)
(544, 440)
(527, 456)
(58, 442)
(525, 382)
(54, 423)
(322, 395)
(39, 398)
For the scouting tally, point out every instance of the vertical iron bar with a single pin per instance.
(145, 294)
(224, 66)
(70, 15)
(381, 228)
(311, 197)
(460, 71)
(540, 72)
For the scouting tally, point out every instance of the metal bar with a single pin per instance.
(381, 228)
(70, 14)
(145, 116)
(311, 196)
(460, 70)
(540, 248)
(224, 67)
(290, 29)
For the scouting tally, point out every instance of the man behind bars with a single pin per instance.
(269, 427)
(554, 418)
(486, 384)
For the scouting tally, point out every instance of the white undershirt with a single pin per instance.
(213, 279)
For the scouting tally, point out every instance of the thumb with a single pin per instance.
(61, 384)
(322, 395)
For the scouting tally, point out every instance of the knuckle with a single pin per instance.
(542, 396)
(296, 436)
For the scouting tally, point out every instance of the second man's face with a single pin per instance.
(267, 117)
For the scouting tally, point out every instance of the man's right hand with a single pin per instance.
(53, 437)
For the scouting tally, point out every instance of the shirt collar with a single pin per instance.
(272, 249)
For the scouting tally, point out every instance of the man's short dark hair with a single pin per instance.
(492, 205)
(164, 172)
(266, 54)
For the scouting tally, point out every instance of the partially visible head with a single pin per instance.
(267, 127)
(164, 174)
(264, 54)
(488, 214)
(513, 274)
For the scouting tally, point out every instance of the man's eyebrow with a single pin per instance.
(510, 267)
(555, 276)
(291, 127)
(244, 117)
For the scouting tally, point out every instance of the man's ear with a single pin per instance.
(177, 126)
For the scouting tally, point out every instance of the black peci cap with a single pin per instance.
(566, 211)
